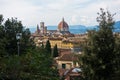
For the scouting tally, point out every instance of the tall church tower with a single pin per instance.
(42, 27)
(38, 30)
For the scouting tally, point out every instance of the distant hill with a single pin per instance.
(117, 24)
(79, 29)
(116, 27)
(70, 27)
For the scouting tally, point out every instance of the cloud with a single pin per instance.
(31, 12)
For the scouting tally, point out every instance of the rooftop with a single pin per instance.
(68, 57)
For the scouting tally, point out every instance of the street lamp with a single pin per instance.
(18, 37)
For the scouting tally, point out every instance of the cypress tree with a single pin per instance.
(55, 51)
(48, 46)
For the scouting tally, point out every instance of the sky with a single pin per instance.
(75, 12)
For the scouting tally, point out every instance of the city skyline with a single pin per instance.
(75, 12)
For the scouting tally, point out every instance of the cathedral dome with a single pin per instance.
(63, 26)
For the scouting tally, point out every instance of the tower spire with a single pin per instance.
(38, 30)
(63, 19)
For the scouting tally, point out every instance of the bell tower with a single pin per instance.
(42, 27)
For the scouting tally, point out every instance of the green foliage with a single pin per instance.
(55, 51)
(2, 38)
(48, 47)
(98, 54)
(42, 46)
(35, 65)
(12, 27)
(10, 68)
(8, 41)
(1, 19)
(117, 55)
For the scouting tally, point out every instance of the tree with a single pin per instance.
(55, 51)
(2, 39)
(36, 64)
(117, 57)
(11, 28)
(48, 46)
(42, 45)
(10, 68)
(98, 54)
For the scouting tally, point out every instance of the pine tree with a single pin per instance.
(98, 54)
(2, 39)
(55, 51)
(8, 41)
(117, 59)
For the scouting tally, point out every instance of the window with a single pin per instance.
(63, 66)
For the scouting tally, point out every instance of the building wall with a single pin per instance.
(69, 64)
(42, 27)
(67, 45)
(45, 30)
(63, 45)
(54, 42)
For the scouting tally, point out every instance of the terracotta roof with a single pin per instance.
(55, 38)
(64, 51)
(62, 71)
(70, 41)
(68, 57)
(72, 74)
(52, 31)
(36, 35)
(67, 73)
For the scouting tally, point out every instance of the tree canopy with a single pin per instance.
(98, 54)
(48, 47)
(55, 51)
(8, 41)
(34, 63)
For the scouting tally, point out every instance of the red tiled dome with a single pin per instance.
(63, 26)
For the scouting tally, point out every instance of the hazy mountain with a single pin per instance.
(80, 28)
(117, 24)
(77, 27)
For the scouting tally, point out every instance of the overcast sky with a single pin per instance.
(75, 12)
